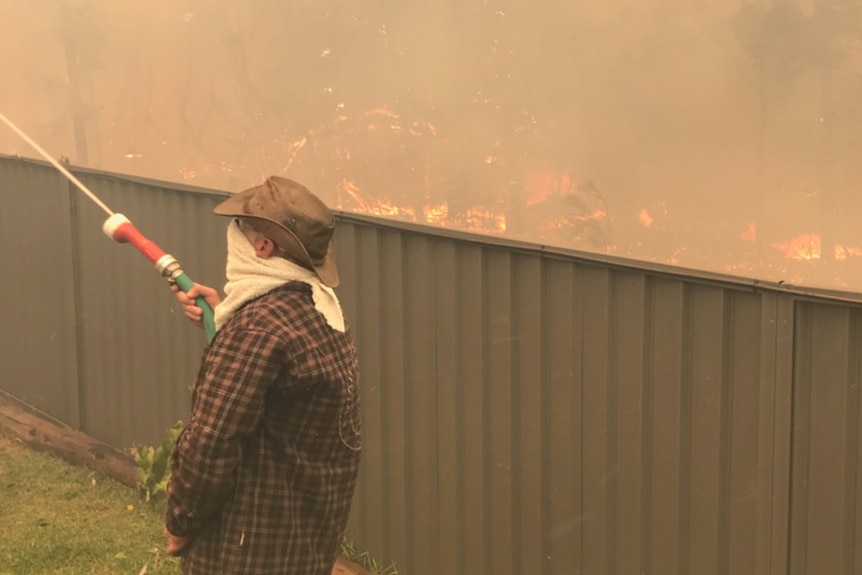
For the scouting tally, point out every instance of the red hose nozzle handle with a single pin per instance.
(120, 229)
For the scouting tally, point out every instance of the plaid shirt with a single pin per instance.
(263, 474)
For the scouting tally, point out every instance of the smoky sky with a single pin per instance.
(722, 136)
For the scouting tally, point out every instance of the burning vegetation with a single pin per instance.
(720, 136)
(352, 160)
(528, 200)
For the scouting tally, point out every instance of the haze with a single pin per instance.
(722, 136)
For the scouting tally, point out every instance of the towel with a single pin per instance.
(249, 277)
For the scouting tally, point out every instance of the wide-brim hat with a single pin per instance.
(291, 216)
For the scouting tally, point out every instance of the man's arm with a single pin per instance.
(228, 403)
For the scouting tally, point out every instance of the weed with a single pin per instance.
(364, 559)
(154, 463)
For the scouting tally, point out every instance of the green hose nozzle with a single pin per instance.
(170, 268)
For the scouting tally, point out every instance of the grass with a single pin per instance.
(365, 560)
(59, 519)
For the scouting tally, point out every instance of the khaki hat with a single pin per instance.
(291, 216)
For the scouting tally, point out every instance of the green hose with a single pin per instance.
(185, 283)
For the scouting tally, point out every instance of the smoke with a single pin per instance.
(731, 127)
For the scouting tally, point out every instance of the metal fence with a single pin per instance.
(525, 411)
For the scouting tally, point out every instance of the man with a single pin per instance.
(263, 474)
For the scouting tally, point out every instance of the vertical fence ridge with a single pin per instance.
(398, 478)
(449, 414)
(647, 427)
(685, 455)
(725, 416)
(517, 422)
(611, 469)
(544, 482)
(799, 457)
(78, 412)
(851, 450)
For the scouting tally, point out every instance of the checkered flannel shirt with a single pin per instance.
(263, 474)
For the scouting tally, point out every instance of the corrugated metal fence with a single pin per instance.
(525, 412)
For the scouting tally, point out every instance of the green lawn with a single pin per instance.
(59, 519)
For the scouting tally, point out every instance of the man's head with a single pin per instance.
(264, 247)
(292, 219)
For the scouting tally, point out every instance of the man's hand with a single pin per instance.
(176, 544)
(187, 299)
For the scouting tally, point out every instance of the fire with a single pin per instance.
(645, 218)
(352, 190)
(802, 247)
(805, 247)
(382, 111)
(595, 216)
(292, 148)
(429, 127)
(204, 170)
(544, 183)
(484, 220)
(476, 219)
(381, 208)
(436, 214)
(843, 253)
(548, 203)
(377, 207)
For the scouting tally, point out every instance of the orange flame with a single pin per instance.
(375, 206)
(382, 111)
(544, 183)
(750, 233)
(645, 218)
(802, 247)
(484, 220)
(843, 253)
(476, 219)
(597, 215)
(436, 214)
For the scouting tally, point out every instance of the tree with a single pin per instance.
(783, 41)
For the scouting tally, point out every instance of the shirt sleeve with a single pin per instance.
(227, 405)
